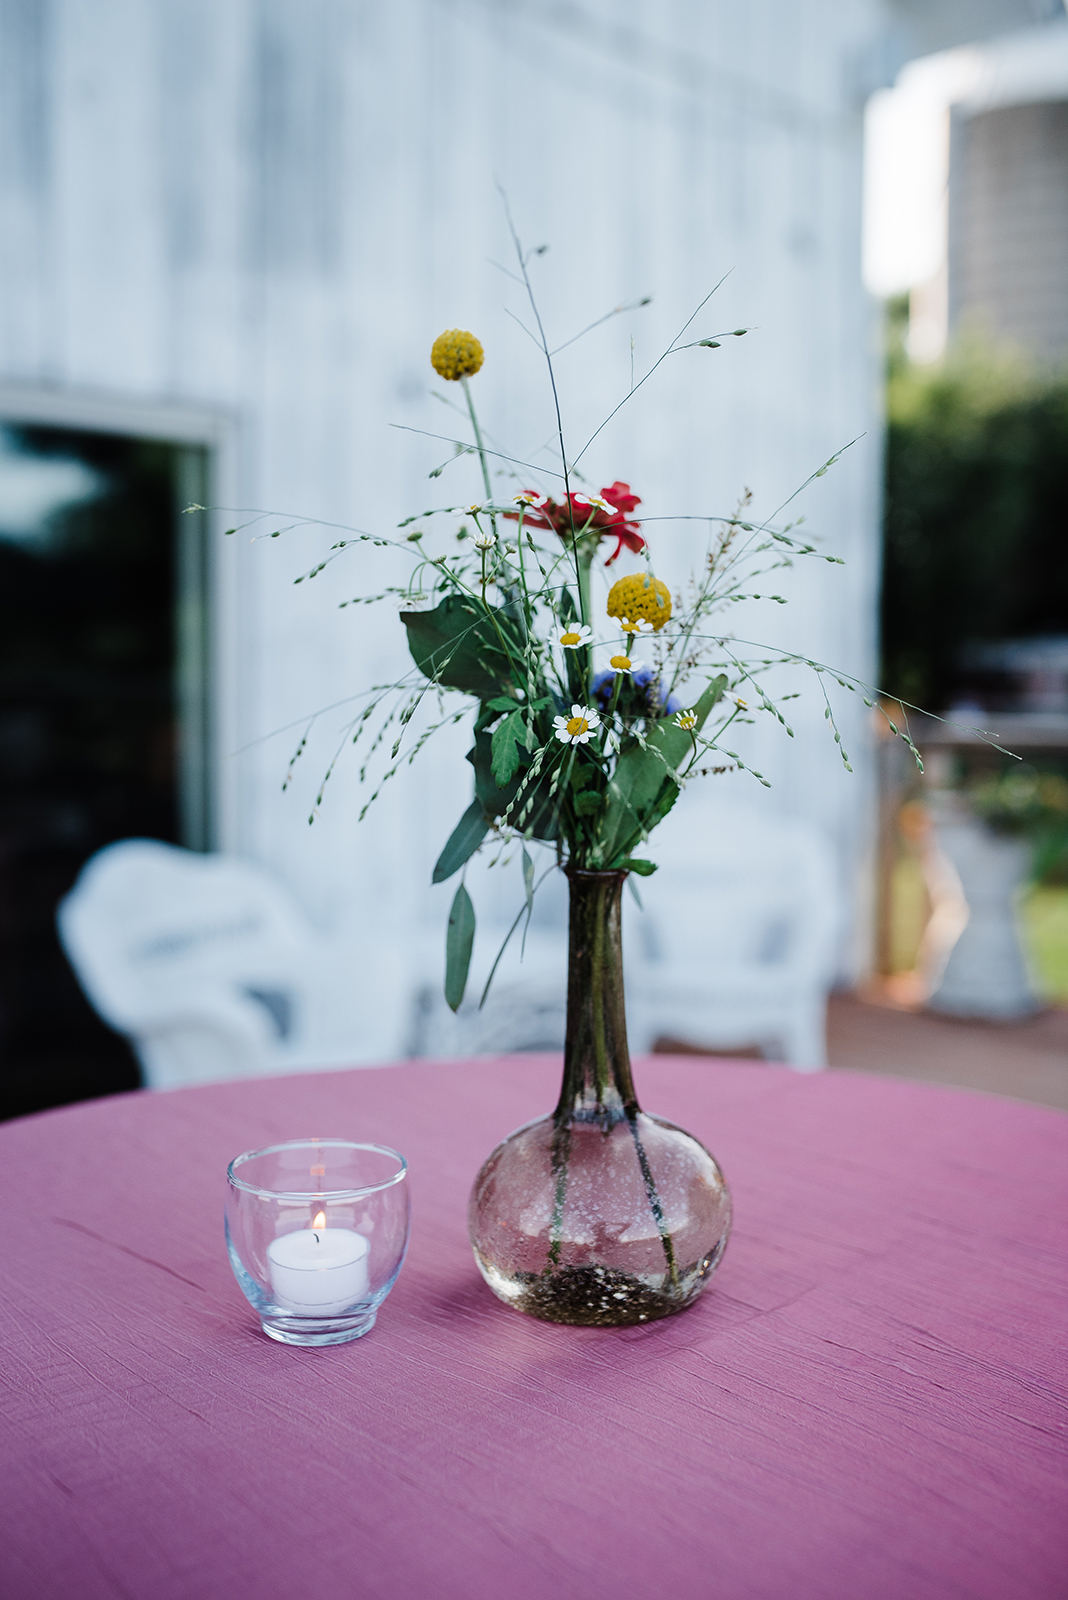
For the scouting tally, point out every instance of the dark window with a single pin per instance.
(102, 717)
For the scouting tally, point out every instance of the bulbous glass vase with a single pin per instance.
(598, 1215)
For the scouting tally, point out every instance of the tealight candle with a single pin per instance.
(317, 1285)
(320, 1271)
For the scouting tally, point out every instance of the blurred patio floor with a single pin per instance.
(871, 1030)
(1027, 1060)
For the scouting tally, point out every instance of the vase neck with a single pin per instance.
(597, 1083)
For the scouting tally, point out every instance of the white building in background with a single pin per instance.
(967, 191)
(239, 224)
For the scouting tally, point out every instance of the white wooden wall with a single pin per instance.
(267, 210)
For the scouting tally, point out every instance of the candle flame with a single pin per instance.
(319, 1220)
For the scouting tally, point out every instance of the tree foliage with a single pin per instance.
(976, 530)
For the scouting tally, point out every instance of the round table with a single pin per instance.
(868, 1403)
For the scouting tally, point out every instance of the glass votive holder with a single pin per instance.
(317, 1230)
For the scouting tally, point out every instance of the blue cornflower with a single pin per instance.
(644, 686)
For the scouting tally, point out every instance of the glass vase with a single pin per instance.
(598, 1215)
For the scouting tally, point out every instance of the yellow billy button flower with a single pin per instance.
(456, 354)
(686, 720)
(579, 727)
(640, 597)
(573, 637)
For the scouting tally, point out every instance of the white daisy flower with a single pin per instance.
(474, 510)
(574, 636)
(598, 501)
(623, 663)
(584, 506)
(742, 706)
(525, 499)
(579, 727)
(639, 625)
(686, 720)
(484, 540)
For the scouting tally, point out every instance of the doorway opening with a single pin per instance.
(104, 715)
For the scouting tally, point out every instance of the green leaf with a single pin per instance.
(457, 645)
(643, 789)
(462, 843)
(644, 869)
(458, 943)
(589, 801)
(495, 799)
(528, 880)
(504, 749)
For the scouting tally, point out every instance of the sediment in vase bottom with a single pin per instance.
(596, 1296)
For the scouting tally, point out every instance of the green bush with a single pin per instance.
(976, 522)
(1032, 805)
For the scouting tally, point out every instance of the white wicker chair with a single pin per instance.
(205, 963)
(527, 1005)
(735, 948)
(736, 945)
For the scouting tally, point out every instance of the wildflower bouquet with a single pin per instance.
(587, 725)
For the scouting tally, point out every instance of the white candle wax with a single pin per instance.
(319, 1271)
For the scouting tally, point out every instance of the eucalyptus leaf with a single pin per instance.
(462, 842)
(644, 869)
(458, 942)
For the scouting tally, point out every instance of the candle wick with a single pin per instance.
(315, 1236)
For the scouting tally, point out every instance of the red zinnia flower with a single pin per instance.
(575, 510)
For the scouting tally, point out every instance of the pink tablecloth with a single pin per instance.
(867, 1405)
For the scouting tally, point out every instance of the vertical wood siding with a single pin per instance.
(271, 210)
